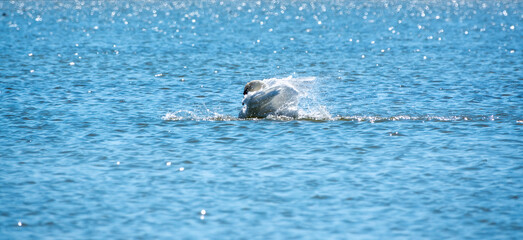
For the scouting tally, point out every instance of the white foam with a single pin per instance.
(209, 115)
(318, 115)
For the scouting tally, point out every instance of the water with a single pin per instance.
(119, 120)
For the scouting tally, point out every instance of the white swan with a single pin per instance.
(261, 100)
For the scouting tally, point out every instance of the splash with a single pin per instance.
(307, 107)
(284, 98)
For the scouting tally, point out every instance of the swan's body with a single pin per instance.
(261, 100)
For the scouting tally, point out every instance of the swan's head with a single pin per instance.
(253, 86)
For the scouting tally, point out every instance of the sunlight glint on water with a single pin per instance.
(120, 120)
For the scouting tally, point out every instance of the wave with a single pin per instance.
(184, 115)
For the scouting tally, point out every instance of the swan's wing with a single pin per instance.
(262, 98)
(269, 101)
(259, 104)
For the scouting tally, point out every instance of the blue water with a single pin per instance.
(119, 120)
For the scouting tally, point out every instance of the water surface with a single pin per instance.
(119, 120)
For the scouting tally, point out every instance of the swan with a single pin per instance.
(261, 100)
